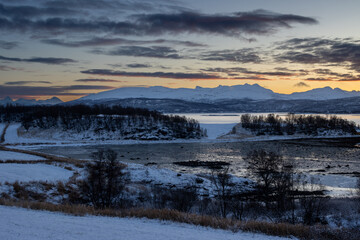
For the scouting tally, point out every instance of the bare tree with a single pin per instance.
(221, 180)
(358, 193)
(105, 179)
(275, 178)
(264, 167)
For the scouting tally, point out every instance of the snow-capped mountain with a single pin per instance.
(246, 91)
(30, 102)
(325, 93)
(198, 94)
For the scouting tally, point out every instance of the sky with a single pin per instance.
(71, 48)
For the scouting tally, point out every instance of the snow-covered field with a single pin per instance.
(24, 224)
(7, 155)
(10, 172)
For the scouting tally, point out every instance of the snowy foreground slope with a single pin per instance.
(17, 223)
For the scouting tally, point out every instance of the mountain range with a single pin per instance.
(227, 99)
(29, 102)
(199, 94)
(238, 98)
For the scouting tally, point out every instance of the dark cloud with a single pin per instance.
(298, 71)
(349, 79)
(87, 87)
(7, 68)
(137, 51)
(246, 55)
(321, 51)
(138, 65)
(319, 79)
(97, 80)
(115, 65)
(268, 73)
(257, 22)
(246, 71)
(58, 25)
(324, 71)
(300, 57)
(8, 45)
(92, 4)
(251, 78)
(117, 5)
(106, 72)
(55, 61)
(48, 60)
(301, 84)
(234, 25)
(32, 11)
(100, 41)
(26, 82)
(48, 91)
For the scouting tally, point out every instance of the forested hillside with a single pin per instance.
(101, 122)
(297, 124)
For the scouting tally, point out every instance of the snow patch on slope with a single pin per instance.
(7, 155)
(10, 172)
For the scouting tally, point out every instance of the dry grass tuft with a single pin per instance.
(274, 229)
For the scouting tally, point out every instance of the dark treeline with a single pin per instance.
(296, 124)
(132, 123)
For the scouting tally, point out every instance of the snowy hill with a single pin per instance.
(30, 102)
(199, 94)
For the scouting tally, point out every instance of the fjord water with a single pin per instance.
(226, 118)
(327, 162)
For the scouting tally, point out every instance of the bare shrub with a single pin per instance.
(181, 199)
(314, 205)
(358, 193)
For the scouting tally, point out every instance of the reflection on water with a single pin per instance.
(306, 157)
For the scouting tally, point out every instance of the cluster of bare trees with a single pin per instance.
(104, 180)
(284, 191)
(296, 124)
